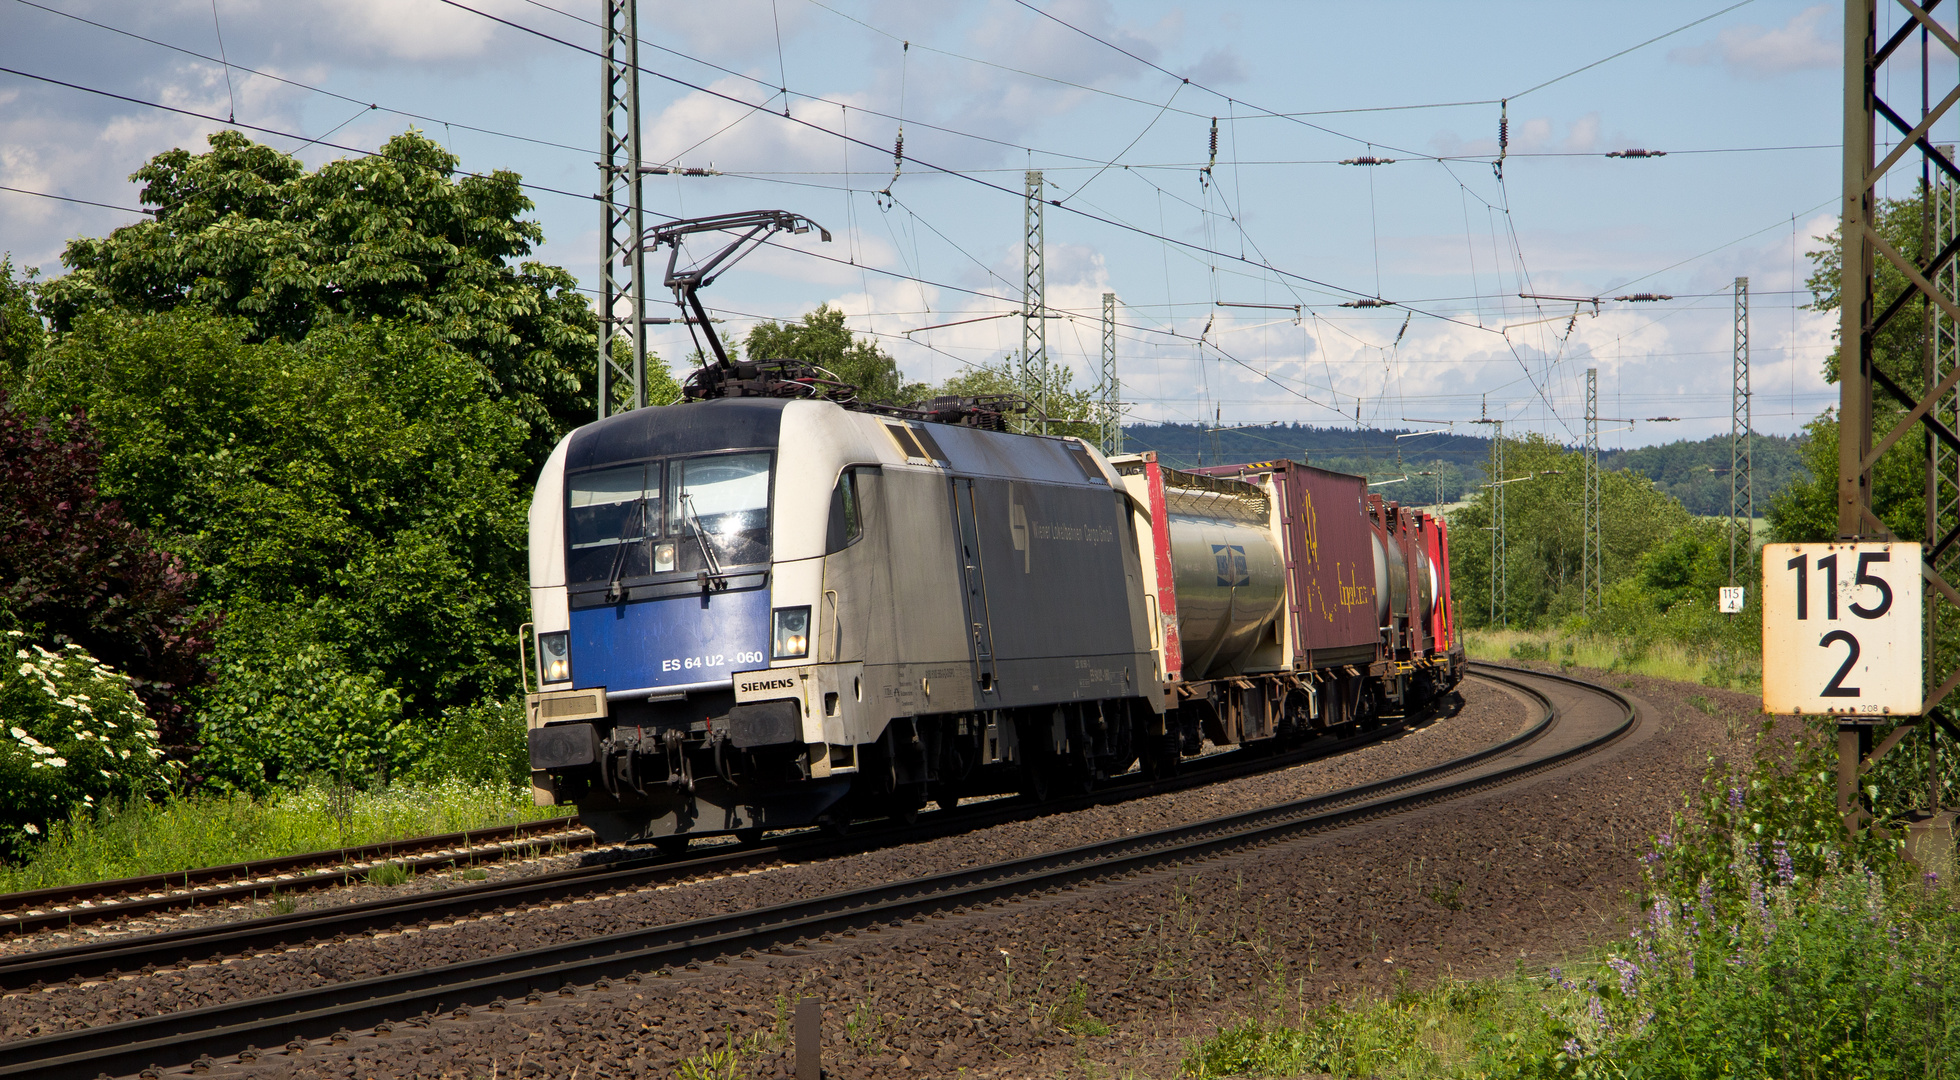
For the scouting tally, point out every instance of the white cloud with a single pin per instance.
(1806, 41)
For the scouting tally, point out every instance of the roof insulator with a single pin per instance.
(1369, 301)
(1366, 160)
(1634, 153)
(1642, 297)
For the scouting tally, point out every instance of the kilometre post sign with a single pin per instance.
(1841, 628)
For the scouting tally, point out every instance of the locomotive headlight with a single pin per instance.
(555, 656)
(791, 639)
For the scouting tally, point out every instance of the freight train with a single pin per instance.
(773, 607)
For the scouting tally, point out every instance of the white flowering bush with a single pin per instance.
(73, 735)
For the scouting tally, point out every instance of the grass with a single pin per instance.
(1662, 660)
(183, 833)
(1457, 1028)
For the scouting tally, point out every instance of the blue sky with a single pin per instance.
(987, 90)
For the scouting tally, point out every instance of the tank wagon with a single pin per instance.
(754, 612)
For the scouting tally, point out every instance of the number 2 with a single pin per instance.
(1836, 687)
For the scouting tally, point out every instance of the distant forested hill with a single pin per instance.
(1446, 467)
(1441, 468)
(1697, 473)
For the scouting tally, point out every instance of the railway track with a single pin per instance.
(1575, 719)
(181, 948)
(74, 905)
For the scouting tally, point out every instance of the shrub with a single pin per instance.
(481, 742)
(73, 568)
(281, 720)
(75, 735)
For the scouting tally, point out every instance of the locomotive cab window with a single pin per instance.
(721, 502)
(637, 521)
(611, 520)
(846, 511)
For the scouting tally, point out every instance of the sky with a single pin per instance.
(1115, 105)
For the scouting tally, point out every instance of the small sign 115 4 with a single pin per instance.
(1841, 628)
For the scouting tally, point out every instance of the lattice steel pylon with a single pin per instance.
(1742, 495)
(1109, 387)
(1929, 280)
(622, 209)
(1592, 562)
(1500, 542)
(1034, 306)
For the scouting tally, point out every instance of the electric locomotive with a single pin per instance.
(753, 612)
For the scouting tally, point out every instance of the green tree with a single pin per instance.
(822, 339)
(358, 490)
(246, 231)
(1070, 411)
(21, 332)
(1806, 511)
(1544, 526)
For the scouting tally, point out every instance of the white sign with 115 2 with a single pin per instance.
(1841, 628)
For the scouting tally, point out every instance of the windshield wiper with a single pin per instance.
(613, 590)
(712, 577)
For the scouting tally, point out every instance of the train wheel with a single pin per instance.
(1035, 779)
(750, 836)
(835, 825)
(905, 803)
(1163, 759)
(674, 846)
(948, 800)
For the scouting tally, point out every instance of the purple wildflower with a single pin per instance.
(1786, 872)
(1932, 877)
(1735, 798)
(1573, 1049)
(1629, 975)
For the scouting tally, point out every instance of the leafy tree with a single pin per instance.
(1070, 411)
(662, 387)
(1807, 510)
(21, 332)
(358, 490)
(299, 714)
(74, 570)
(1544, 526)
(823, 339)
(246, 231)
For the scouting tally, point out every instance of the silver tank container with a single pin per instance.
(1228, 572)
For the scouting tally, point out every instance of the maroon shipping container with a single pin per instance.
(1331, 601)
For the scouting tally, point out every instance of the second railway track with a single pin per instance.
(1576, 719)
(139, 953)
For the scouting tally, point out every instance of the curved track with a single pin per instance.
(181, 948)
(1575, 719)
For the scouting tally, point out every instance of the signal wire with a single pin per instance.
(1018, 195)
(300, 85)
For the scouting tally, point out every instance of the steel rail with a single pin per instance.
(68, 905)
(192, 944)
(318, 1013)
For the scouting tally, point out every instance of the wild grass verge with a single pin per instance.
(1768, 944)
(1663, 659)
(142, 837)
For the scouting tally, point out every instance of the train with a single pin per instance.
(771, 606)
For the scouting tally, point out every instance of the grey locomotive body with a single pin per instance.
(755, 613)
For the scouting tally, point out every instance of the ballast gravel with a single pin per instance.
(1531, 871)
(1487, 716)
